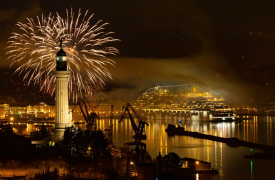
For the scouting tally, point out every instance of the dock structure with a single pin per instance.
(233, 142)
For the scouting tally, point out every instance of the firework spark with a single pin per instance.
(35, 50)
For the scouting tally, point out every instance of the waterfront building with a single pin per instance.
(2, 112)
(43, 110)
(15, 111)
(5, 111)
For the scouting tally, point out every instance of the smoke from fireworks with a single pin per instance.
(83, 43)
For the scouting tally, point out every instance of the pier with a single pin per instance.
(233, 142)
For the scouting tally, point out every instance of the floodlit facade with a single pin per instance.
(48, 111)
(62, 119)
(2, 112)
(40, 110)
(62, 115)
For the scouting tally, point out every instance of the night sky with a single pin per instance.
(227, 46)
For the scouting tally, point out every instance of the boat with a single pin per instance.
(224, 115)
(222, 112)
(226, 120)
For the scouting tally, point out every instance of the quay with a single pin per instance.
(233, 142)
(31, 121)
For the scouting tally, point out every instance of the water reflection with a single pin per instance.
(229, 161)
(251, 164)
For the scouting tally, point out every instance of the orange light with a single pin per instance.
(197, 162)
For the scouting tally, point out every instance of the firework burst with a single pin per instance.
(36, 47)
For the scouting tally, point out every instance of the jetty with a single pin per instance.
(232, 141)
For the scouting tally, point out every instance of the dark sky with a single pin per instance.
(173, 42)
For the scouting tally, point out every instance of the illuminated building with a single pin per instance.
(2, 112)
(62, 118)
(6, 108)
(43, 110)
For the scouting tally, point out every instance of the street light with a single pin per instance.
(197, 162)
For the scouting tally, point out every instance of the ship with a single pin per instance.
(223, 114)
(179, 99)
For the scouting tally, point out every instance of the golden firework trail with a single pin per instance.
(36, 47)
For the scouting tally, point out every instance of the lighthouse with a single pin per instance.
(62, 117)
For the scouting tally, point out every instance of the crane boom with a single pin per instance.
(88, 113)
(86, 100)
(138, 130)
(85, 115)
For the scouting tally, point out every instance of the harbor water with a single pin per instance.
(230, 162)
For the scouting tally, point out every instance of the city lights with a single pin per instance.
(191, 96)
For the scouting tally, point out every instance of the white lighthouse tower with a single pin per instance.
(62, 117)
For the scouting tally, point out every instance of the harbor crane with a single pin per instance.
(138, 129)
(88, 112)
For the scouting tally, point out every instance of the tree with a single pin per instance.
(67, 142)
(99, 145)
(87, 143)
(40, 135)
(5, 128)
(53, 175)
(44, 133)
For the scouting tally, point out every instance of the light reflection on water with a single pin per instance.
(229, 161)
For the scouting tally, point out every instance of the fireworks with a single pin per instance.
(35, 50)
